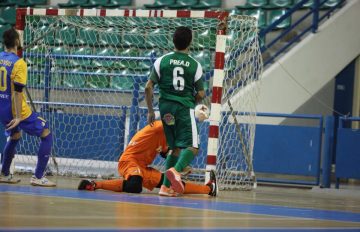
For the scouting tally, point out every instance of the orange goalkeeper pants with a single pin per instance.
(151, 177)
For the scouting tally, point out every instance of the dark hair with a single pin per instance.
(182, 38)
(9, 37)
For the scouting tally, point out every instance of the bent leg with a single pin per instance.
(133, 176)
(43, 153)
(9, 152)
(186, 157)
(152, 178)
(173, 174)
(192, 188)
(187, 138)
(112, 185)
(171, 160)
(133, 184)
(37, 126)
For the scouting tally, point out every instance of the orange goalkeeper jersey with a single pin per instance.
(146, 144)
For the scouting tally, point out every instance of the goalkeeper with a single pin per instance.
(133, 167)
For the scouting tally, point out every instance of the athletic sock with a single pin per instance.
(8, 155)
(191, 188)
(186, 157)
(112, 185)
(170, 162)
(43, 155)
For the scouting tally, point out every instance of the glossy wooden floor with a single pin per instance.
(27, 208)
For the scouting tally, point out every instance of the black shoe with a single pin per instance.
(213, 184)
(88, 185)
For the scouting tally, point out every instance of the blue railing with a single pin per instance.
(314, 11)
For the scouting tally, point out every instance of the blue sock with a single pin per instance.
(43, 155)
(8, 155)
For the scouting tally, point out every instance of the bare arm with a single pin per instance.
(149, 92)
(199, 96)
(19, 77)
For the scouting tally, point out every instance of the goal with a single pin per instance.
(86, 74)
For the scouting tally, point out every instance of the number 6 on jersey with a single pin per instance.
(178, 80)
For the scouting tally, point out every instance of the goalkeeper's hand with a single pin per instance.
(201, 112)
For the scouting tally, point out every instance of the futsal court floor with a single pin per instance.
(64, 208)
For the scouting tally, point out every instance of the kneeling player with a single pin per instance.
(15, 114)
(133, 166)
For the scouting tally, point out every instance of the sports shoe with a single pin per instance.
(9, 179)
(213, 184)
(44, 182)
(175, 179)
(167, 192)
(88, 185)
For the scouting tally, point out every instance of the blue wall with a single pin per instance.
(291, 150)
(279, 149)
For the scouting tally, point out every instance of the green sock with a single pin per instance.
(186, 157)
(170, 162)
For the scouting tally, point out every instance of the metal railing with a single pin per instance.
(314, 11)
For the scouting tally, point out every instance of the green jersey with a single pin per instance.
(179, 77)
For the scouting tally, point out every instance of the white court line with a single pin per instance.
(293, 201)
(151, 218)
(248, 229)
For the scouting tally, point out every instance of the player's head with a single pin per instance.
(11, 39)
(182, 38)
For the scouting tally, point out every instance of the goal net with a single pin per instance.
(86, 75)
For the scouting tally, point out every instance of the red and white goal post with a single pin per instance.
(88, 67)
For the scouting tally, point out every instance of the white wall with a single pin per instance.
(313, 63)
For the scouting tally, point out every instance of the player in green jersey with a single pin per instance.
(179, 77)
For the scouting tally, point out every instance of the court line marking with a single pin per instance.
(266, 200)
(240, 229)
(72, 217)
(211, 204)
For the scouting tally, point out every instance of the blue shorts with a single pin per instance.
(33, 125)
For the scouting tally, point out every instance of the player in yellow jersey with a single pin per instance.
(133, 167)
(16, 115)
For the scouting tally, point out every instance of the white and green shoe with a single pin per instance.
(43, 182)
(9, 179)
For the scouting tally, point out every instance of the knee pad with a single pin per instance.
(133, 184)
